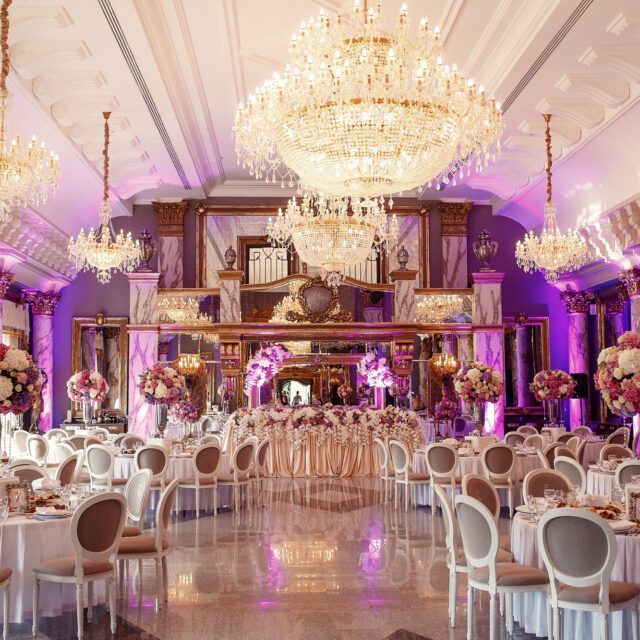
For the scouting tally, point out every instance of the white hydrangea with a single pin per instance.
(474, 375)
(6, 388)
(605, 353)
(161, 390)
(629, 361)
(14, 359)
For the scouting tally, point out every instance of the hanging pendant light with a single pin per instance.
(101, 250)
(552, 252)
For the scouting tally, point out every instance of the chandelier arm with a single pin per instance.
(6, 66)
(547, 137)
(105, 153)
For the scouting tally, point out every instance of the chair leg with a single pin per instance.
(5, 611)
(159, 597)
(36, 601)
(197, 503)
(469, 612)
(165, 579)
(407, 488)
(555, 635)
(492, 616)
(509, 612)
(453, 592)
(634, 620)
(79, 611)
(112, 604)
(395, 501)
(140, 572)
(605, 627)
(90, 602)
(215, 500)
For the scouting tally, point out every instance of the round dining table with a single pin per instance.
(600, 482)
(530, 609)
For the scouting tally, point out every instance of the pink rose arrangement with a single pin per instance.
(20, 380)
(478, 382)
(618, 375)
(225, 393)
(552, 384)
(375, 371)
(161, 384)
(399, 388)
(344, 391)
(87, 386)
(184, 411)
(264, 365)
(447, 410)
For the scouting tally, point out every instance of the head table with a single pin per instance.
(330, 440)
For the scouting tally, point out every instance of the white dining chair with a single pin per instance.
(582, 432)
(549, 452)
(211, 438)
(38, 448)
(131, 439)
(626, 470)
(29, 473)
(239, 475)
(136, 491)
(404, 477)
(69, 469)
(536, 481)
(442, 464)
(77, 441)
(513, 438)
(259, 469)
(622, 436)
(579, 551)
(20, 442)
(55, 435)
(534, 440)
(100, 463)
(5, 586)
(64, 450)
(156, 459)
(204, 464)
(617, 450)
(95, 531)
(572, 470)
(498, 465)
(527, 430)
(385, 468)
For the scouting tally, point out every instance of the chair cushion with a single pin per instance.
(457, 480)
(5, 574)
(511, 575)
(139, 544)
(66, 566)
(618, 592)
(503, 556)
(157, 483)
(226, 479)
(115, 482)
(418, 477)
(204, 482)
(504, 542)
(130, 531)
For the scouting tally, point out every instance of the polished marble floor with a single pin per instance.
(323, 559)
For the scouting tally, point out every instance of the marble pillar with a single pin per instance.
(404, 296)
(43, 306)
(230, 309)
(631, 281)
(577, 306)
(488, 340)
(6, 278)
(163, 350)
(170, 216)
(524, 366)
(112, 366)
(454, 243)
(614, 322)
(143, 346)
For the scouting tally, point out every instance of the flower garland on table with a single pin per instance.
(552, 384)
(618, 375)
(347, 425)
(184, 411)
(375, 371)
(87, 386)
(161, 385)
(263, 365)
(20, 380)
(447, 410)
(478, 382)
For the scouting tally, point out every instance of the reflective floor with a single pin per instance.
(323, 559)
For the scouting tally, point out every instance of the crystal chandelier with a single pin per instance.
(440, 307)
(444, 363)
(204, 336)
(189, 364)
(552, 252)
(364, 111)
(101, 250)
(333, 233)
(26, 172)
(179, 310)
(279, 315)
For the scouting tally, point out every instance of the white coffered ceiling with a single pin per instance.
(173, 71)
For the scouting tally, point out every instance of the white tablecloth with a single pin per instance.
(600, 482)
(529, 609)
(473, 464)
(27, 542)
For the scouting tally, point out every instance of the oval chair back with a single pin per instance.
(38, 448)
(479, 534)
(20, 442)
(498, 461)
(626, 470)
(549, 452)
(241, 461)
(536, 481)
(572, 470)
(29, 473)
(383, 458)
(566, 452)
(527, 430)
(399, 458)
(68, 470)
(154, 458)
(64, 450)
(564, 437)
(535, 440)
(514, 438)
(163, 512)
(136, 491)
(442, 462)
(212, 438)
(79, 442)
(205, 461)
(478, 487)
(117, 441)
(100, 462)
(130, 440)
(206, 424)
(55, 435)
(622, 436)
(617, 450)
(260, 458)
(582, 432)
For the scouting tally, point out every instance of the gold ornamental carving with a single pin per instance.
(454, 217)
(43, 303)
(577, 301)
(170, 217)
(319, 303)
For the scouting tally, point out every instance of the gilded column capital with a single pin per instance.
(614, 306)
(43, 303)
(170, 217)
(163, 347)
(6, 278)
(631, 281)
(577, 301)
(454, 217)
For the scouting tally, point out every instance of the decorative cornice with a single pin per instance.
(6, 278)
(488, 277)
(403, 274)
(230, 274)
(43, 303)
(577, 301)
(170, 217)
(631, 281)
(454, 217)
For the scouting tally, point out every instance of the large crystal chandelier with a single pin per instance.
(362, 110)
(27, 173)
(101, 250)
(178, 309)
(552, 252)
(440, 307)
(333, 233)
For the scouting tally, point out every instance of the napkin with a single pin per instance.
(594, 500)
(620, 525)
(43, 484)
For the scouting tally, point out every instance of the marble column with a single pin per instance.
(230, 309)
(113, 366)
(614, 322)
(143, 345)
(577, 306)
(524, 365)
(43, 306)
(404, 296)
(454, 243)
(488, 340)
(170, 217)
(6, 278)
(631, 281)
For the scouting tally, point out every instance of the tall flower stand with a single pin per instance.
(160, 416)
(478, 412)
(380, 396)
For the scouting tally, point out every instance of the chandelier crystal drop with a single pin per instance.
(552, 252)
(440, 307)
(179, 310)
(333, 233)
(27, 172)
(361, 110)
(101, 250)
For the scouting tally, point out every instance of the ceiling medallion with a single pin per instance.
(552, 252)
(101, 250)
(27, 173)
(364, 111)
(179, 310)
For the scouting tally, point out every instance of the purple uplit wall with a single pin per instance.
(85, 296)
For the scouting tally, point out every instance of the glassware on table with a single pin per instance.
(531, 505)
(541, 507)
(549, 495)
(560, 496)
(613, 462)
(617, 495)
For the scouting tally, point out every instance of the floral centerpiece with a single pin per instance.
(552, 384)
(20, 380)
(618, 375)
(161, 386)
(263, 365)
(185, 413)
(477, 383)
(87, 386)
(344, 391)
(375, 371)
(226, 396)
(447, 410)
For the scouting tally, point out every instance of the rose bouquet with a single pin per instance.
(375, 371)
(185, 412)
(447, 410)
(618, 375)
(344, 391)
(87, 386)
(20, 380)
(477, 382)
(225, 393)
(264, 365)
(161, 384)
(399, 388)
(552, 384)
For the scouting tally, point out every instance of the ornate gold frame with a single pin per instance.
(76, 356)
(329, 314)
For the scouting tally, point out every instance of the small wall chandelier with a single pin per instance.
(552, 252)
(444, 363)
(189, 364)
(179, 310)
(27, 173)
(101, 250)
(364, 110)
(333, 233)
(440, 307)
(290, 303)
